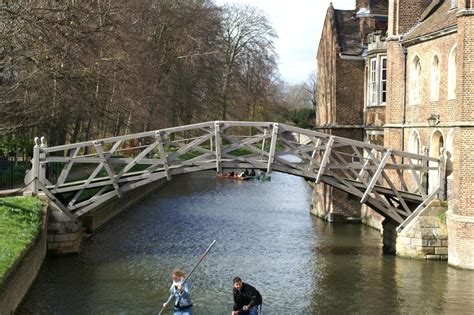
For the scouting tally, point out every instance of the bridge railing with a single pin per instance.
(82, 176)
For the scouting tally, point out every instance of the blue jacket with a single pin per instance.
(181, 299)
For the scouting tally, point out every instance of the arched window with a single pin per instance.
(415, 79)
(434, 91)
(452, 74)
(414, 144)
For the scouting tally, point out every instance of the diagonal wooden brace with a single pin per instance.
(107, 166)
(376, 176)
(163, 157)
(271, 154)
(324, 162)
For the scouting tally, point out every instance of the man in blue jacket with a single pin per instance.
(247, 299)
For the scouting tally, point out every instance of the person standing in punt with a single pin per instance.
(180, 291)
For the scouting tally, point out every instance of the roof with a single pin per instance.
(348, 32)
(438, 16)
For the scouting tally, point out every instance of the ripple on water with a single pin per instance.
(264, 233)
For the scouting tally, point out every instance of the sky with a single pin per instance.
(298, 24)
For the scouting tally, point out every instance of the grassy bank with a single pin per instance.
(20, 220)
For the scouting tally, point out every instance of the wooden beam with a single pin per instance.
(107, 166)
(271, 153)
(376, 176)
(324, 162)
(218, 144)
(163, 157)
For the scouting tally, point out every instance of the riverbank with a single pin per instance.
(22, 225)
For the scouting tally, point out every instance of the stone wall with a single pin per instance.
(426, 237)
(371, 218)
(65, 235)
(24, 272)
(98, 217)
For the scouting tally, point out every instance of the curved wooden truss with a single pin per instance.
(80, 177)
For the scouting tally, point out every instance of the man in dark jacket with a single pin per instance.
(247, 300)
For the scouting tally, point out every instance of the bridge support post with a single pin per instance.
(35, 168)
(163, 157)
(389, 236)
(217, 140)
(271, 154)
(64, 234)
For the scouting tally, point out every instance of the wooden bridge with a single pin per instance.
(82, 176)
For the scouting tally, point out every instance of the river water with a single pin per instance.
(265, 234)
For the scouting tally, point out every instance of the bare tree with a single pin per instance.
(74, 70)
(246, 33)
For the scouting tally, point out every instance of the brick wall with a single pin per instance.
(326, 61)
(406, 13)
(461, 214)
(395, 83)
(418, 113)
(349, 92)
(464, 165)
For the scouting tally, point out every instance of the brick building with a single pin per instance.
(430, 50)
(341, 60)
(419, 97)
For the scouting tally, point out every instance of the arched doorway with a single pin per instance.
(436, 149)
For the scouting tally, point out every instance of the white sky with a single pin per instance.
(298, 24)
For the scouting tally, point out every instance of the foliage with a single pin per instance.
(20, 221)
(74, 71)
(302, 117)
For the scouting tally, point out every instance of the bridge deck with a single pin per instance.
(81, 176)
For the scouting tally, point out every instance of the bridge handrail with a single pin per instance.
(310, 133)
(373, 173)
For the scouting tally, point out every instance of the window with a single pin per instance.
(373, 81)
(415, 79)
(383, 80)
(434, 91)
(377, 85)
(454, 4)
(452, 75)
(414, 145)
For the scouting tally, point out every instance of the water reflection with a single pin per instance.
(265, 234)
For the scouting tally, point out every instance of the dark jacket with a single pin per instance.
(248, 295)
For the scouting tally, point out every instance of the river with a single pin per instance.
(266, 235)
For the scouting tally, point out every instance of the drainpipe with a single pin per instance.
(405, 53)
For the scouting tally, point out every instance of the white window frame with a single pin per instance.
(375, 91)
(382, 86)
(373, 82)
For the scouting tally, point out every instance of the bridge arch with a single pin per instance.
(86, 175)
